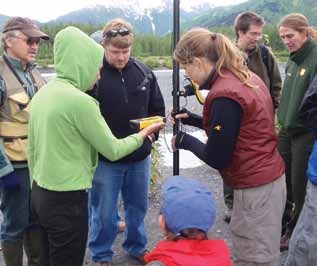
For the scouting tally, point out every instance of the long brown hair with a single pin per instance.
(217, 48)
(298, 22)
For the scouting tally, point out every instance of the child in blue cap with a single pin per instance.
(187, 213)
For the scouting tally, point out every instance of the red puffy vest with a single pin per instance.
(255, 160)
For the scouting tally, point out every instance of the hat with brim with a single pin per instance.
(187, 203)
(26, 26)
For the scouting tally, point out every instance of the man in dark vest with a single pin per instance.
(248, 27)
(19, 81)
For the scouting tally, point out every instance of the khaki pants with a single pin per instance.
(243, 263)
(303, 244)
(256, 224)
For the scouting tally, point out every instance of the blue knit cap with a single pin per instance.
(186, 204)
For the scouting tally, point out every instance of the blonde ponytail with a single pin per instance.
(217, 48)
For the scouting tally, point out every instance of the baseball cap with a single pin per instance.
(25, 25)
(187, 203)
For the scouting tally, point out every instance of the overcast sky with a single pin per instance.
(45, 10)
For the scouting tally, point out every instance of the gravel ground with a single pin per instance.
(206, 175)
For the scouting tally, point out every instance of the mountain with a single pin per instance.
(271, 10)
(157, 17)
(3, 19)
(151, 17)
(156, 20)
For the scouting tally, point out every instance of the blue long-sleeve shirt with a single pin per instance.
(226, 115)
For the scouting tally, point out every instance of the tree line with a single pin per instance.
(145, 45)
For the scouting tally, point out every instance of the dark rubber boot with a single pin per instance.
(32, 245)
(12, 253)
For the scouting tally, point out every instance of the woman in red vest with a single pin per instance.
(242, 143)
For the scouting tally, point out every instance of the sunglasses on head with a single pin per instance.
(29, 41)
(114, 32)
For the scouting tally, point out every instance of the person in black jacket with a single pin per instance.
(126, 90)
(303, 242)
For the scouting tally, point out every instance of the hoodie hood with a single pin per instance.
(77, 57)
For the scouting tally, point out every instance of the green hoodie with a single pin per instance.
(66, 128)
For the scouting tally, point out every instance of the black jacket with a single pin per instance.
(308, 108)
(129, 94)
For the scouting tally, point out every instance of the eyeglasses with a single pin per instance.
(114, 32)
(29, 41)
(255, 34)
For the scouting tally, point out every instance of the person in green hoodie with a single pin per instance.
(295, 141)
(66, 132)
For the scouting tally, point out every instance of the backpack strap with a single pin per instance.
(146, 74)
(2, 88)
(265, 59)
(265, 55)
(140, 67)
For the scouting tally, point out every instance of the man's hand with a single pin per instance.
(151, 129)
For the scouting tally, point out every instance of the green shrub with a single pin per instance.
(151, 62)
(282, 56)
(156, 159)
(44, 62)
(166, 62)
(157, 61)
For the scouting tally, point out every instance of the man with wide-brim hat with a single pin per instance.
(19, 81)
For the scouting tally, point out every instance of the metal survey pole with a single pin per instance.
(175, 92)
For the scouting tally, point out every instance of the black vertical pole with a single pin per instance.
(175, 81)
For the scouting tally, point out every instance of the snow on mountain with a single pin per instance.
(141, 7)
(149, 17)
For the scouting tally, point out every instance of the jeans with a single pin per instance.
(15, 208)
(63, 218)
(132, 179)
